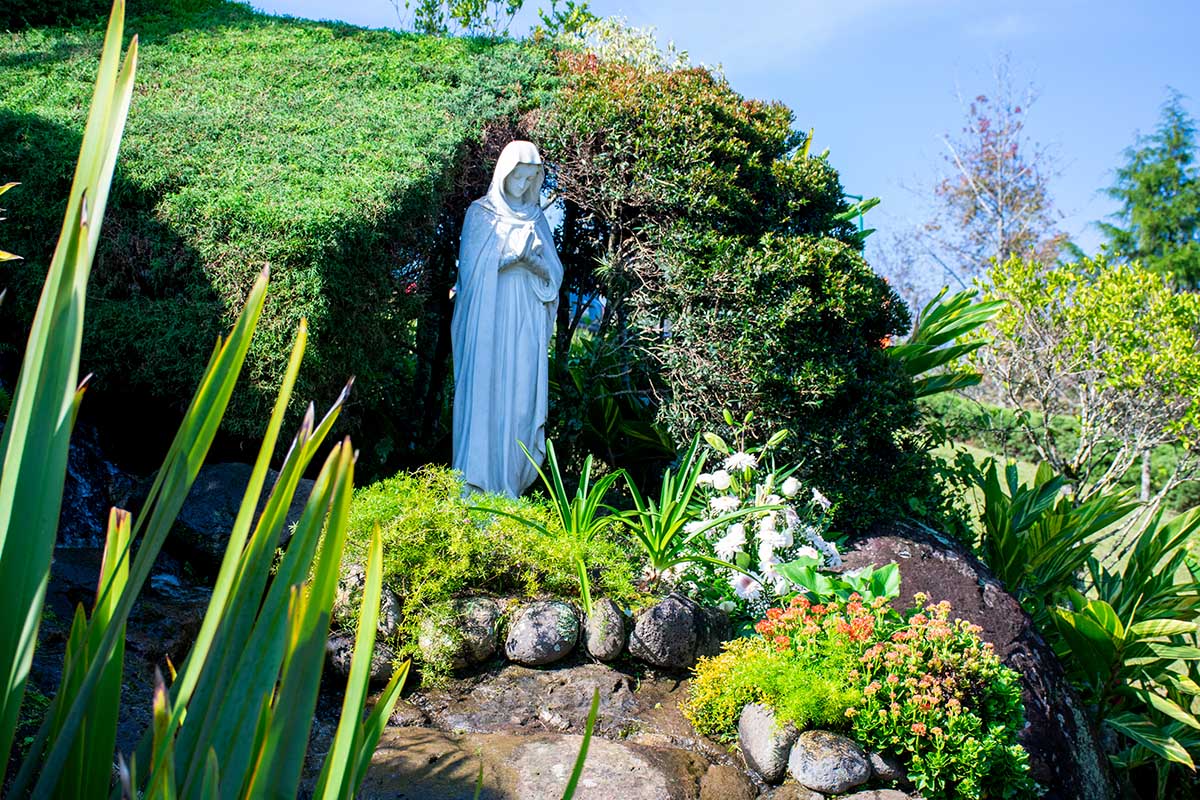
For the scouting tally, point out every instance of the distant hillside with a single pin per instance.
(327, 152)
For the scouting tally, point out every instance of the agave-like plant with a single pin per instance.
(234, 721)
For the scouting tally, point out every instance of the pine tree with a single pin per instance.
(1159, 189)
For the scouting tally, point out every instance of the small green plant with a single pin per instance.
(579, 517)
(937, 696)
(667, 529)
(916, 686)
(1132, 647)
(868, 583)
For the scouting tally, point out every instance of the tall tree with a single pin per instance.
(1159, 191)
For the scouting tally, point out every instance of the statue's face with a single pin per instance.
(518, 181)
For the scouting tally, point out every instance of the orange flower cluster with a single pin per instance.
(801, 621)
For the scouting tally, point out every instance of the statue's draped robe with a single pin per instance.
(501, 329)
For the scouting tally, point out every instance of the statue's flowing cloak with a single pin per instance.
(501, 330)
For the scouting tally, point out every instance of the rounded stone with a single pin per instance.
(348, 598)
(887, 768)
(723, 782)
(606, 633)
(478, 620)
(664, 635)
(340, 652)
(765, 744)
(542, 633)
(828, 763)
(878, 794)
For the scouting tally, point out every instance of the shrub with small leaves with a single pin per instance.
(937, 696)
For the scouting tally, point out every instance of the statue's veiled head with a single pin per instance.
(518, 177)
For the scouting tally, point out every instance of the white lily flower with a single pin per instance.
(745, 587)
(821, 500)
(740, 460)
(790, 487)
(721, 480)
(704, 479)
(724, 504)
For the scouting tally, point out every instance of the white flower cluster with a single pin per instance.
(770, 537)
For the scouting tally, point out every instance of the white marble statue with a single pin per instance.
(506, 299)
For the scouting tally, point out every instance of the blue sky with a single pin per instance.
(880, 80)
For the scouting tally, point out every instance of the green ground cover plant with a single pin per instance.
(437, 548)
(917, 685)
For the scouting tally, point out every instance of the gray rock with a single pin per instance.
(202, 528)
(348, 598)
(764, 743)
(887, 768)
(606, 633)
(478, 620)
(877, 794)
(792, 791)
(665, 634)
(713, 629)
(339, 651)
(542, 633)
(432, 765)
(828, 763)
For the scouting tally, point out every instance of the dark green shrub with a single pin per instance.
(794, 331)
(434, 550)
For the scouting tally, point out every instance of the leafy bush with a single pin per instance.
(916, 686)
(939, 698)
(812, 694)
(794, 330)
(324, 150)
(435, 549)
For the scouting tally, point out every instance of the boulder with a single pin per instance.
(676, 631)
(339, 651)
(887, 769)
(1064, 754)
(202, 528)
(433, 765)
(877, 794)
(93, 486)
(764, 743)
(478, 620)
(541, 633)
(348, 598)
(606, 633)
(828, 763)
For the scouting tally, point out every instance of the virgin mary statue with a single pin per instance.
(506, 299)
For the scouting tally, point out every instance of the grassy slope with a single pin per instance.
(320, 149)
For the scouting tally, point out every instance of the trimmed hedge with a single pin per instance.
(323, 151)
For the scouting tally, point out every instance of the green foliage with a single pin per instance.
(933, 343)
(812, 694)
(1159, 191)
(938, 697)
(1036, 539)
(436, 548)
(1001, 430)
(869, 583)
(1131, 647)
(260, 650)
(793, 330)
(1113, 344)
(578, 517)
(324, 150)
